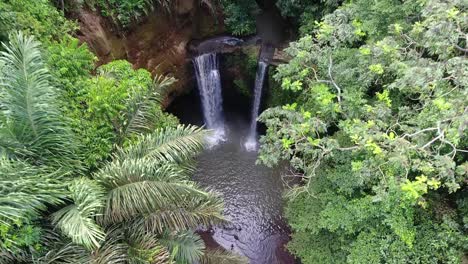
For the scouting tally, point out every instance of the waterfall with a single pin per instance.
(251, 142)
(209, 86)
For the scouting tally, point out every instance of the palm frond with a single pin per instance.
(60, 250)
(27, 190)
(114, 250)
(143, 108)
(140, 186)
(121, 172)
(170, 144)
(17, 257)
(9, 144)
(161, 84)
(140, 198)
(77, 220)
(139, 116)
(189, 214)
(68, 253)
(185, 247)
(222, 257)
(32, 127)
(145, 248)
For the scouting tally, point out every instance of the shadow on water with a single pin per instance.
(253, 204)
(252, 193)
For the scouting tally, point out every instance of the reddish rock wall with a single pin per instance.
(157, 44)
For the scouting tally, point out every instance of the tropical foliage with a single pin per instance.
(91, 169)
(115, 106)
(27, 133)
(37, 18)
(377, 134)
(240, 16)
(126, 13)
(137, 207)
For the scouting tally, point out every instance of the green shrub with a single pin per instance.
(244, 64)
(125, 13)
(112, 104)
(38, 18)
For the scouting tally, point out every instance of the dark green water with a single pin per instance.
(252, 193)
(253, 204)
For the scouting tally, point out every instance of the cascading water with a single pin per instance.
(209, 85)
(251, 142)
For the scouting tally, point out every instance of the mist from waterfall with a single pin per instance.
(251, 142)
(209, 86)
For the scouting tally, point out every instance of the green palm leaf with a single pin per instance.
(77, 220)
(113, 251)
(145, 248)
(17, 257)
(32, 126)
(186, 214)
(128, 201)
(142, 186)
(143, 198)
(129, 247)
(69, 253)
(143, 108)
(27, 190)
(185, 247)
(121, 172)
(178, 144)
(147, 178)
(161, 85)
(61, 250)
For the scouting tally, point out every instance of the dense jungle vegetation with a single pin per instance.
(377, 132)
(370, 110)
(92, 170)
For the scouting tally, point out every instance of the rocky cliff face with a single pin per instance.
(158, 44)
(164, 42)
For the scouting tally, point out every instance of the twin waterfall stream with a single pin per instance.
(209, 85)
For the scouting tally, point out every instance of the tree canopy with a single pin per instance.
(377, 133)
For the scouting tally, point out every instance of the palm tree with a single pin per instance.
(145, 191)
(36, 146)
(140, 207)
(26, 191)
(32, 127)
